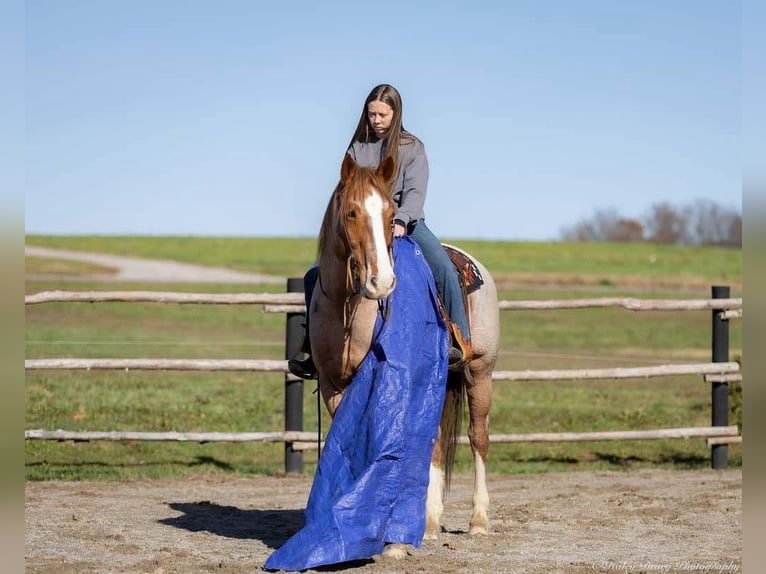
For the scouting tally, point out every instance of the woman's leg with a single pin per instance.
(445, 275)
(309, 281)
(305, 368)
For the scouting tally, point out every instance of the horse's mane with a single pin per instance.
(341, 199)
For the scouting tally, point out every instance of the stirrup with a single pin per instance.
(304, 369)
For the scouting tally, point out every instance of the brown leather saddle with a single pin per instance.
(470, 278)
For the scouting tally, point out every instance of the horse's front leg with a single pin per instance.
(435, 496)
(479, 402)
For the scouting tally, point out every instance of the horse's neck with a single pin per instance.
(349, 320)
(333, 273)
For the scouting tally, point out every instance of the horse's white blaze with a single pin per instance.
(384, 279)
(480, 520)
(434, 504)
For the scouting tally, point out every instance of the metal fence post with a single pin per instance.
(719, 453)
(294, 333)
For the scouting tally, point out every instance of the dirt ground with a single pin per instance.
(637, 521)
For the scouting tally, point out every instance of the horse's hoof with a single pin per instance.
(433, 529)
(479, 523)
(431, 535)
(395, 551)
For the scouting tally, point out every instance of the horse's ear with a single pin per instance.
(347, 169)
(385, 170)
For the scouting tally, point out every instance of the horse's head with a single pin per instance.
(364, 212)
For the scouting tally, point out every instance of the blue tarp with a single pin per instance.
(370, 486)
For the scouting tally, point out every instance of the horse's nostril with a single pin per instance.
(374, 281)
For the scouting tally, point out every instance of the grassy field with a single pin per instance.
(254, 402)
(593, 264)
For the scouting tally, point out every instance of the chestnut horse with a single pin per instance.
(355, 273)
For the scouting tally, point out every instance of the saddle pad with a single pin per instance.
(470, 276)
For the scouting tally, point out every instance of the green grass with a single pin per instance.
(155, 401)
(593, 263)
(609, 259)
(287, 257)
(168, 402)
(45, 266)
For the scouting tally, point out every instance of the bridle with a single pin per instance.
(354, 282)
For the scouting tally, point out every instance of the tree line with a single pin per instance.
(701, 222)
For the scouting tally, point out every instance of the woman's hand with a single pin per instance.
(399, 230)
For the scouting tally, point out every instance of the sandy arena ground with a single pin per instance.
(638, 521)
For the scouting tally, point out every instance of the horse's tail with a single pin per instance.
(451, 421)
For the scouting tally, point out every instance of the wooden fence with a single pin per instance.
(719, 372)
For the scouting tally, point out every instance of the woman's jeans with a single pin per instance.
(445, 275)
(444, 271)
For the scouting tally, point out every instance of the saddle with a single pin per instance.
(470, 279)
(470, 276)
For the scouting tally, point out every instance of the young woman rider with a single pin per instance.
(380, 134)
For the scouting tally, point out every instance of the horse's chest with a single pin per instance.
(340, 341)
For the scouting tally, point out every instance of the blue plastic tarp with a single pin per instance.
(371, 482)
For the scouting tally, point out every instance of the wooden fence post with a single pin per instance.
(719, 453)
(294, 334)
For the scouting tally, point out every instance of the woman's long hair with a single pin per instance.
(396, 133)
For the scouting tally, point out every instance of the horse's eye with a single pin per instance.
(351, 214)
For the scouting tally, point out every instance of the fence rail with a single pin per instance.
(202, 437)
(717, 370)
(293, 302)
(714, 435)
(618, 373)
(164, 297)
(258, 365)
(718, 373)
(308, 440)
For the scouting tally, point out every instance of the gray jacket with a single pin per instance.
(409, 191)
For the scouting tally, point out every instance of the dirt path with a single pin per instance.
(142, 270)
(639, 521)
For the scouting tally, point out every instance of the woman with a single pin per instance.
(380, 134)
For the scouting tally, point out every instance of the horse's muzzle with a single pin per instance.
(379, 287)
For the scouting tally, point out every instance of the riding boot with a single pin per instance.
(303, 368)
(461, 351)
(455, 355)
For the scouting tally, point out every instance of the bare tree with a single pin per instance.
(628, 231)
(702, 222)
(581, 232)
(712, 224)
(667, 224)
(603, 226)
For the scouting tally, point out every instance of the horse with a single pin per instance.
(355, 273)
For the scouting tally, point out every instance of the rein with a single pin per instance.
(353, 287)
(353, 284)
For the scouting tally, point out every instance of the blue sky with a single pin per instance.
(231, 117)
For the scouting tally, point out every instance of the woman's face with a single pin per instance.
(380, 115)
